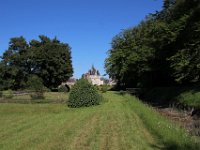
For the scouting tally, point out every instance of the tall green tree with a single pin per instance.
(186, 60)
(162, 50)
(47, 58)
(12, 69)
(51, 61)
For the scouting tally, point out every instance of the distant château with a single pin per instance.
(70, 82)
(93, 76)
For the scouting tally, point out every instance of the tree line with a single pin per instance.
(47, 60)
(163, 50)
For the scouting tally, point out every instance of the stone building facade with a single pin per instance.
(93, 76)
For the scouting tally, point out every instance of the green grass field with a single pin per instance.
(119, 123)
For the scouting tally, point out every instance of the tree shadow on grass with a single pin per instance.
(163, 97)
(168, 147)
(175, 146)
(121, 93)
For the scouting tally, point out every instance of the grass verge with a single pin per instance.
(168, 133)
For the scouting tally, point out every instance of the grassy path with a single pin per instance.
(113, 125)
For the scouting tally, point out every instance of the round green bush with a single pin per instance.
(83, 94)
(63, 88)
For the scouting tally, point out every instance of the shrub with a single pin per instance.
(45, 89)
(37, 95)
(121, 92)
(191, 98)
(96, 87)
(104, 88)
(1, 94)
(83, 94)
(8, 94)
(63, 88)
(35, 83)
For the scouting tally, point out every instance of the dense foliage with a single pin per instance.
(83, 94)
(36, 86)
(8, 94)
(162, 50)
(63, 88)
(104, 88)
(34, 83)
(47, 58)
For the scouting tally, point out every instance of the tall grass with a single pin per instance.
(171, 135)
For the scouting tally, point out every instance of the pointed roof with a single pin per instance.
(93, 71)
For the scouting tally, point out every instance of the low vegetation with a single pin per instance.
(83, 94)
(104, 88)
(63, 88)
(27, 98)
(37, 95)
(168, 133)
(1, 94)
(191, 98)
(122, 122)
(8, 94)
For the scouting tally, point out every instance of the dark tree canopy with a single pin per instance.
(47, 58)
(162, 50)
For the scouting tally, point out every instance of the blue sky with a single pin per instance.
(88, 26)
